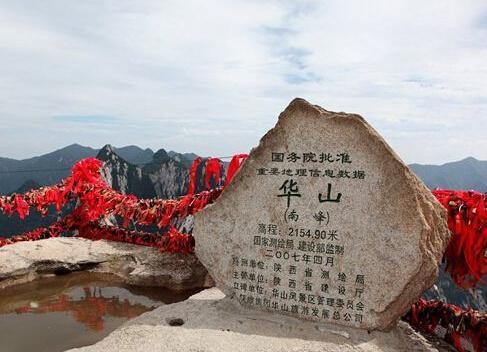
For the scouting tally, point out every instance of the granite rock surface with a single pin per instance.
(131, 264)
(324, 222)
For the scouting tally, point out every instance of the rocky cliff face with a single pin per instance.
(169, 176)
(163, 177)
(123, 176)
(445, 290)
(166, 176)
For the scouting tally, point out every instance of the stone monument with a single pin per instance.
(324, 222)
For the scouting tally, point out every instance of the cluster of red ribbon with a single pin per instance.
(40, 233)
(84, 178)
(451, 323)
(95, 201)
(466, 254)
(172, 241)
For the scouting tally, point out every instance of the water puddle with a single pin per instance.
(61, 312)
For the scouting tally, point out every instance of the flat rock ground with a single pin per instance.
(207, 322)
(131, 264)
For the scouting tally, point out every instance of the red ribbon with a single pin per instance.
(213, 170)
(192, 175)
(470, 325)
(234, 166)
(466, 254)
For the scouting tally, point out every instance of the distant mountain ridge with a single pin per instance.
(14, 173)
(469, 174)
(58, 162)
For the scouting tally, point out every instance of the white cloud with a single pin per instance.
(211, 77)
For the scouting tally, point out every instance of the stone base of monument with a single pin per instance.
(207, 322)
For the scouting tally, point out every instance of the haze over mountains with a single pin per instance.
(50, 168)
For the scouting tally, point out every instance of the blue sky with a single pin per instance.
(212, 76)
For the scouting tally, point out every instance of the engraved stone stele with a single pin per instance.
(324, 222)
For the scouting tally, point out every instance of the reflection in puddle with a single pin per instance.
(62, 312)
(89, 309)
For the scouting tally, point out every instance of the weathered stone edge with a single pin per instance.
(130, 264)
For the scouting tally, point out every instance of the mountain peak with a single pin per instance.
(469, 159)
(107, 153)
(75, 145)
(107, 148)
(135, 154)
(160, 156)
